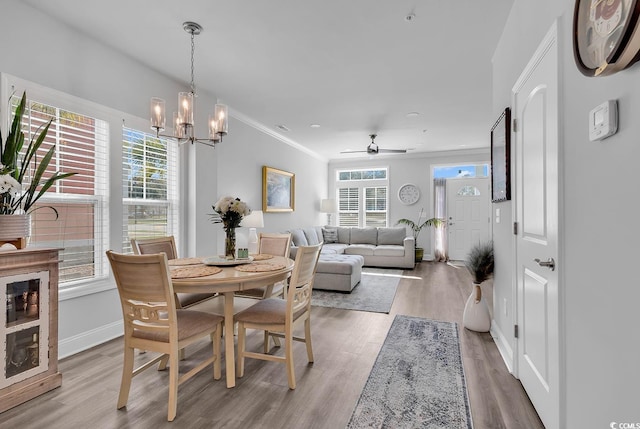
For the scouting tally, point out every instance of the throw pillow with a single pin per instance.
(330, 235)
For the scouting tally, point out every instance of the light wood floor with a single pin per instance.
(346, 344)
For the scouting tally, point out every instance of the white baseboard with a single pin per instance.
(503, 345)
(88, 339)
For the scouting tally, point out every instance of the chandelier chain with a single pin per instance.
(193, 50)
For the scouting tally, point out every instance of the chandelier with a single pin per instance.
(183, 122)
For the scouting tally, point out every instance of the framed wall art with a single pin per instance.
(278, 190)
(500, 158)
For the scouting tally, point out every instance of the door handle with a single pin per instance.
(549, 263)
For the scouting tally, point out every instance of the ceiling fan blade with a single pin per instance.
(354, 151)
(392, 150)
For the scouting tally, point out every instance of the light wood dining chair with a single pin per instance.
(167, 245)
(276, 245)
(152, 322)
(278, 317)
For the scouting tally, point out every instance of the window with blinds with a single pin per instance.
(348, 207)
(70, 215)
(149, 178)
(362, 197)
(375, 200)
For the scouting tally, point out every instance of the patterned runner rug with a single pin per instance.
(417, 380)
(374, 293)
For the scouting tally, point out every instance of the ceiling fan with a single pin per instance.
(373, 148)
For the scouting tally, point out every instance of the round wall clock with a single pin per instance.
(606, 37)
(408, 194)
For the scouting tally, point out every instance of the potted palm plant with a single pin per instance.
(480, 264)
(418, 226)
(23, 177)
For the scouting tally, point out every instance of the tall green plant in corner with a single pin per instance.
(18, 165)
(417, 227)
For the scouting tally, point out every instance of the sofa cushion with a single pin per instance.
(330, 235)
(333, 248)
(364, 236)
(389, 250)
(298, 238)
(391, 235)
(344, 235)
(360, 249)
(339, 264)
(312, 236)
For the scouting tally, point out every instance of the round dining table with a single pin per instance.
(229, 280)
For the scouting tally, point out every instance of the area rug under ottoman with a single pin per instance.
(374, 293)
(417, 380)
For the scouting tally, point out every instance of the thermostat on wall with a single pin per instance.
(603, 121)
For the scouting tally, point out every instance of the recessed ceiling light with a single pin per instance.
(282, 128)
(315, 125)
(412, 114)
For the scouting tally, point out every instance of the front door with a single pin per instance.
(467, 214)
(536, 156)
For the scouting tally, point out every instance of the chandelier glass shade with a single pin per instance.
(183, 120)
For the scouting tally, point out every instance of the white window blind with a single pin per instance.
(375, 206)
(150, 178)
(348, 207)
(80, 142)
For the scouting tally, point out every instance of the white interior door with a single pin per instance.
(536, 153)
(467, 214)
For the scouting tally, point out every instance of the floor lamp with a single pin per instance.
(328, 206)
(253, 221)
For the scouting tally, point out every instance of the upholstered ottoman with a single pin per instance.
(338, 272)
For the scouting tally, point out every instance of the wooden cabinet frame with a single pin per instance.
(15, 266)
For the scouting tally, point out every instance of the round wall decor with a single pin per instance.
(409, 194)
(606, 35)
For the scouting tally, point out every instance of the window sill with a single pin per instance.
(83, 288)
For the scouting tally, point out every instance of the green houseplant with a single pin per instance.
(480, 264)
(23, 173)
(417, 227)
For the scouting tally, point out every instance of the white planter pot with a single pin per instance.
(476, 315)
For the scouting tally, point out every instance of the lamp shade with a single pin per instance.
(253, 220)
(328, 205)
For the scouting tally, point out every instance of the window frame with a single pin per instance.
(110, 207)
(362, 185)
(172, 202)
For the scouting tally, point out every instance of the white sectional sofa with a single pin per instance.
(380, 247)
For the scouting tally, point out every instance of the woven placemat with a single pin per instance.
(262, 257)
(257, 268)
(184, 261)
(194, 271)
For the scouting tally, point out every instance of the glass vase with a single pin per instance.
(230, 243)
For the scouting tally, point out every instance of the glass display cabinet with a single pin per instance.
(28, 325)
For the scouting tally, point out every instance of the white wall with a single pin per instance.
(69, 62)
(416, 169)
(599, 234)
